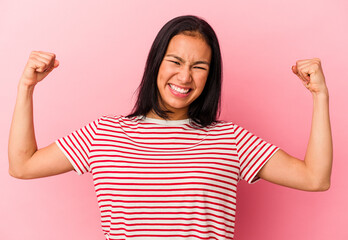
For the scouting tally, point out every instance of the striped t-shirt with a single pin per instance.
(166, 180)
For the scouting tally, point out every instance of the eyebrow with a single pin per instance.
(182, 60)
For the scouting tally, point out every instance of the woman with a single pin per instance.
(169, 170)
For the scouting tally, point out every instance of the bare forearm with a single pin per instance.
(318, 157)
(22, 147)
(22, 142)
(312, 174)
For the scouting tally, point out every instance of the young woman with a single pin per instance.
(170, 169)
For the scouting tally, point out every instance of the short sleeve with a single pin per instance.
(253, 153)
(77, 145)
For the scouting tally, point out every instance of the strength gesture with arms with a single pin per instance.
(25, 160)
(312, 174)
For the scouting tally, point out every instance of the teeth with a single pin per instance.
(179, 90)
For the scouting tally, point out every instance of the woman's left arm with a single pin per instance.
(312, 174)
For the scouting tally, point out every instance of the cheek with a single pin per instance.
(160, 80)
(164, 74)
(201, 81)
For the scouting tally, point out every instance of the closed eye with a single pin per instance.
(177, 63)
(200, 68)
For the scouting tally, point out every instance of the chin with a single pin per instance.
(176, 106)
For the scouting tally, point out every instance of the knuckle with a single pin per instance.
(298, 63)
(42, 65)
(316, 66)
(317, 61)
(51, 57)
(32, 54)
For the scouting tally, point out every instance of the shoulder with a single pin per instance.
(222, 127)
(117, 121)
(222, 124)
(227, 127)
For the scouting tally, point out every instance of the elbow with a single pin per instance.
(321, 186)
(17, 168)
(325, 187)
(17, 173)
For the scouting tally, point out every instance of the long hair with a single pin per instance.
(206, 108)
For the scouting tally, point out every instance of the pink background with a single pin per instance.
(102, 47)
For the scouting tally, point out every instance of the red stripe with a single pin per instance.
(157, 153)
(171, 229)
(165, 132)
(231, 208)
(161, 139)
(163, 207)
(167, 230)
(174, 172)
(166, 235)
(170, 178)
(116, 146)
(163, 184)
(205, 220)
(174, 224)
(205, 190)
(174, 163)
(165, 196)
(170, 167)
(153, 159)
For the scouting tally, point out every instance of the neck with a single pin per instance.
(171, 116)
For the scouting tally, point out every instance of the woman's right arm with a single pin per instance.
(25, 160)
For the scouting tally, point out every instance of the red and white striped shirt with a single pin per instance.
(159, 180)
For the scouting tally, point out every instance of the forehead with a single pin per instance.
(190, 46)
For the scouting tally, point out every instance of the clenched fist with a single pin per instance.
(311, 74)
(39, 65)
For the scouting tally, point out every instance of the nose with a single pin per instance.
(184, 75)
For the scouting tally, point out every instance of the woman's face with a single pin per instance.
(183, 73)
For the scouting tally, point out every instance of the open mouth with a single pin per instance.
(179, 89)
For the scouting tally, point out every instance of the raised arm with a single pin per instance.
(312, 174)
(25, 160)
